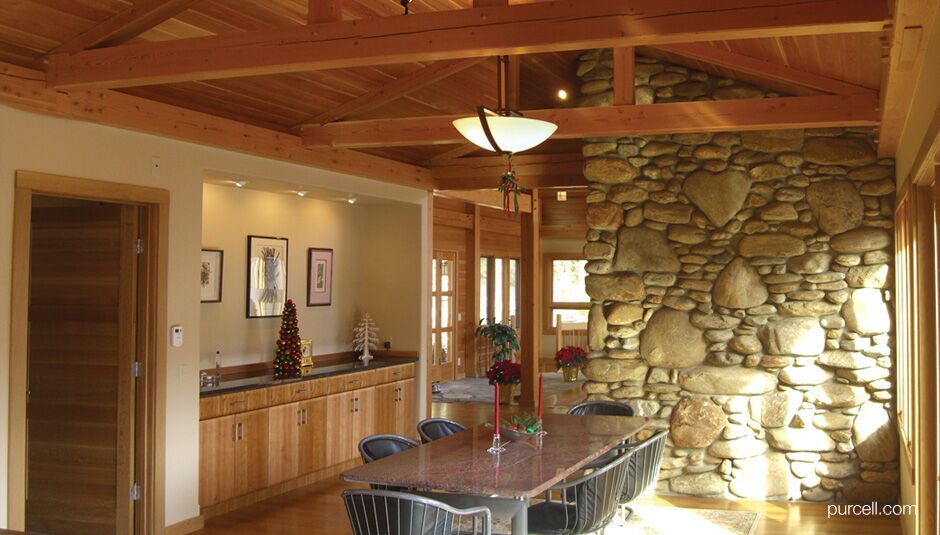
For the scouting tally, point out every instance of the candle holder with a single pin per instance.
(541, 432)
(497, 446)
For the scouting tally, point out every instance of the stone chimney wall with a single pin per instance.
(739, 287)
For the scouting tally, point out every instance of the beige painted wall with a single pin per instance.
(40, 143)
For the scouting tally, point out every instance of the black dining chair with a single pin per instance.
(602, 407)
(375, 447)
(646, 457)
(382, 512)
(434, 428)
(586, 505)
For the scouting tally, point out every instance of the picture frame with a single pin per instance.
(210, 275)
(266, 281)
(319, 277)
(306, 348)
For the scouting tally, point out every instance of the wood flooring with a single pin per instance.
(319, 509)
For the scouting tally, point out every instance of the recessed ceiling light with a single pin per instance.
(302, 193)
(562, 196)
(351, 200)
(240, 183)
(562, 94)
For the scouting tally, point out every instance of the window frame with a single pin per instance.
(547, 290)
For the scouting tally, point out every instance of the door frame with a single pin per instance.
(150, 430)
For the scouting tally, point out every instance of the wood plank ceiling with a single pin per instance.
(31, 28)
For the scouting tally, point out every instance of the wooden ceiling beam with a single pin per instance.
(27, 89)
(624, 77)
(489, 198)
(453, 154)
(774, 72)
(126, 25)
(319, 11)
(675, 117)
(484, 31)
(395, 89)
(533, 171)
(553, 180)
(910, 33)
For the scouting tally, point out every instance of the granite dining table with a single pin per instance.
(460, 471)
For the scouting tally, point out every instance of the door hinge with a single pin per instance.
(139, 246)
(137, 368)
(135, 492)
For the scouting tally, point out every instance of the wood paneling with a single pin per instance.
(82, 338)
(564, 219)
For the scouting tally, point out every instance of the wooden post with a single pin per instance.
(531, 300)
(624, 69)
(428, 302)
(473, 256)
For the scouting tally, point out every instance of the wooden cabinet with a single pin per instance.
(284, 423)
(407, 415)
(395, 408)
(363, 418)
(216, 460)
(251, 451)
(339, 419)
(313, 436)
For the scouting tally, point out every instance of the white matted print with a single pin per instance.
(267, 276)
(319, 277)
(210, 276)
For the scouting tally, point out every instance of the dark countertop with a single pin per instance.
(251, 383)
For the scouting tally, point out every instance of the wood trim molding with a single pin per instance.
(153, 290)
(573, 123)
(547, 304)
(184, 527)
(462, 33)
(26, 89)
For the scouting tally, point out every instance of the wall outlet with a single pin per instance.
(388, 343)
(155, 166)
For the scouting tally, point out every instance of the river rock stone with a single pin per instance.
(768, 171)
(623, 313)
(621, 193)
(719, 195)
(727, 381)
(609, 170)
(837, 396)
(613, 370)
(874, 276)
(764, 477)
(704, 484)
(851, 360)
(739, 286)
(773, 140)
(771, 244)
(596, 250)
(597, 328)
(671, 341)
(804, 375)
(667, 213)
(616, 287)
(687, 234)
(806, 439)
(861, 240)
(871, 172)
(642, 249)
(604, 216)
(836, 204)
(696, 422)
(793, 336)
(866, 312)
(810, 263)
(738, 448)
(852, 151)
(747, 344)
(776, 409)
(875, 434)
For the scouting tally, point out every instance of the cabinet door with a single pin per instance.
(311, 445)
(339, 425)
(363, 417)
(251, 451)
(386, 409)
(407, 416)
(284, 422)
(216, 460)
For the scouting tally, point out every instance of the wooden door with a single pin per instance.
(363, 417)
(313, 437)
(81, 346)
(339, 417)
(251, 451)
(407, 417)
(444, 316)
(216, 460)
(386, 409)
(284, 422)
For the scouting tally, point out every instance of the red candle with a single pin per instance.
(541, 385)
(496, 404)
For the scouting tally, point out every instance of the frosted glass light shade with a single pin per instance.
(513, 134)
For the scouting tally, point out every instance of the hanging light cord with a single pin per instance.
(404, 4)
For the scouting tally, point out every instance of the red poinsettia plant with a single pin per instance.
(570, 357)
(504, 372)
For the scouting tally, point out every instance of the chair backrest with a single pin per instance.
(435, 428)
(646, 457)
(377, 447)
(601, 407)
(570, 334)
(382, 512)
(593, 500)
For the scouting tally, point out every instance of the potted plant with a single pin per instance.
(508, 374)
(569, 360)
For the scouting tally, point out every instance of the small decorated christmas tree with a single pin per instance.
(365, 336)
(288, 354)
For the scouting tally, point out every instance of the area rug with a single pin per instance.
(659, 520)
(478, 390)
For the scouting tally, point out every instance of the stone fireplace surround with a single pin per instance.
(739, 296)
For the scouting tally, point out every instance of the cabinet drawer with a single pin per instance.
(279, 395)
(398, 373)
(307, 389)
(352, 381)
(244, 401)
(210, 407)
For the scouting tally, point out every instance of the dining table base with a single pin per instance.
(517, 508)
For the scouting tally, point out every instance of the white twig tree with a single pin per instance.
(365, 336)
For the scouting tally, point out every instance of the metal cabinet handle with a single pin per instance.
(305, 416)
(300, 415)
(356, 400)
(234, 432)
(352, 404)
(239, 432)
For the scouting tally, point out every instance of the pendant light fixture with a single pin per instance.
(504, 131)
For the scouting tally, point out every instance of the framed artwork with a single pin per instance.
(210, 276)
(267, 276)
(319, 277)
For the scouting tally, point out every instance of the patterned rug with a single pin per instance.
(660, 520)
(477, 390)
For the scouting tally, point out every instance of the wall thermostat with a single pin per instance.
(176, 336)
